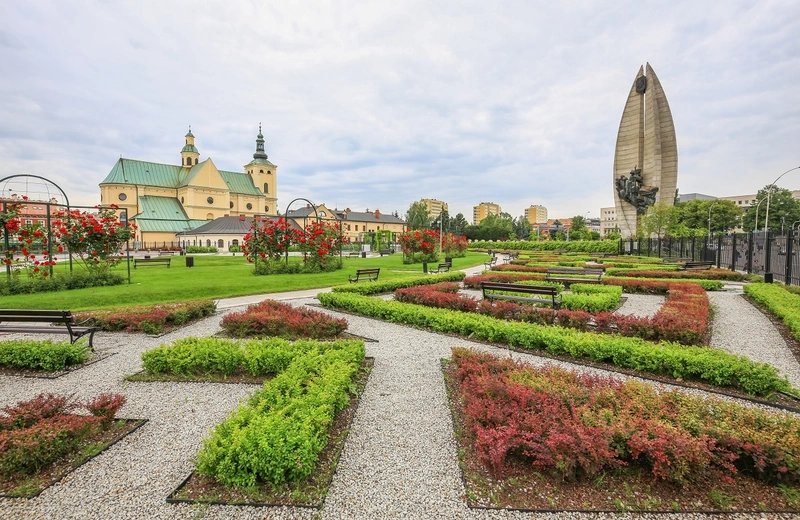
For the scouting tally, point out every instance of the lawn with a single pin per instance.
(213, 276)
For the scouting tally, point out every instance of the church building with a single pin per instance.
(167, 201)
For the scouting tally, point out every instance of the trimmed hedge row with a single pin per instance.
(278, 434)
(389, 286)
(708, 365)
(474, 282)
(779, 301)
(577, 246)
(42, 354)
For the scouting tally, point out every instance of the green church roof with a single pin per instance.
(163, 214)
(190, 148)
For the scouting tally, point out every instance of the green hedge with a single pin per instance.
(779, 301)
(712, 366)
(60, 282)
(577, 246)
(278, 434)
(379, 287)
(42, 355)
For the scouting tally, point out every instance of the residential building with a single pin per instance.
(31, 211)
(536, 214)
(356, 225)
(608, 220)
(434, 207)
(483, 210)
(167, 200)
(224, 232)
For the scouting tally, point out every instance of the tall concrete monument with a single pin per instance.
(646, 156)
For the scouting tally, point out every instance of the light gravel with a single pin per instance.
(399, 460)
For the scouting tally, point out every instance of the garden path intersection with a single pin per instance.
(399, 461)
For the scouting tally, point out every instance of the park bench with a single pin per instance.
(535, 293)
(511, 256)
(353, 254)
(386, 251)
(151, 261)
(675, 259)
(696, 266)
(167, 253)
(570, 274)
(443, 268)
(8, 318)
(365, 274)
(603, 255)
(490, 263)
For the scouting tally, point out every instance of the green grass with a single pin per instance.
(211, 277)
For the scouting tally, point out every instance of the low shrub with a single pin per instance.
(150, 319)
(711, 366)
(37, 432)
(272, 318)
(670, 272)
(61, 282)
(579, 425)
(201, 249)
(379, 287)
(42, 354)
(278, 434)
(778, 300)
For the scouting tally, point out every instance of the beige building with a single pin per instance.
(355, 224)
(434, 207)
(167, 201)
(483, 210)
(608, 220)
(536, 214)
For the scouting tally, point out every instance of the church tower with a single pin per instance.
(264, 175)
(189, 154)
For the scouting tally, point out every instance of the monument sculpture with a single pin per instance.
(646, 155)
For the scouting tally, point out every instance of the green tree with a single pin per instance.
(578, 229)
(725, 215)
(417, 216)
(446, 222)
(656, 220)
(522, 228)
(784, 210)
(459, 224)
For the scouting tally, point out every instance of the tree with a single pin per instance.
(417, 216)
(446, 222)
(725, 215)
(522, 228)
(578, 230)
(784, 210)
(459, 224)
(656, 220)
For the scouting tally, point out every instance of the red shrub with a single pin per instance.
(105, 406)
(272, 318)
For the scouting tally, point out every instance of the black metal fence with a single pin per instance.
(774, 256)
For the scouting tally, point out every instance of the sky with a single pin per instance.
(374, 104)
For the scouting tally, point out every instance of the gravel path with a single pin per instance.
(641, 305)
(399, 460)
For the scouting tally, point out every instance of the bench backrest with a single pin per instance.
(521, 288)
(698, 264)
(575, 270)
(368, 271)
(35, 315)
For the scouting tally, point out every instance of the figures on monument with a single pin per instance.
(630, 189)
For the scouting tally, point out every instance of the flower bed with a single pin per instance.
(47, 355)
(710, 366)
(45, 432)
(272, 318)
(709, 274)
(684, 317)
(522, 421)
(379, 287)
(780, 302)
(474, 282)
(151, 319)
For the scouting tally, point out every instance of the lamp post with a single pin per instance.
(709, 215)
(766, 224)
(795, 222)
(755, 226)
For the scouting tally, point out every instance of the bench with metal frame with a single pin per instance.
(9, 317)
(353, 254)
(369, 275)
(569, 274)
(442, 268)
(553, 296)
(696, 266)
(151, 261)
(386, 251)
(490, 263)
(675, 259)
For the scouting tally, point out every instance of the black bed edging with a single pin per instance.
(369, 361)
(141, 423)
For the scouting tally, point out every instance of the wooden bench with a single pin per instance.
(490, 263)
(365, 274)
(675, 259)
(569, 274)
(443, 268)
(553, 298)
(386, 252)
(353, 254)
(696, 266)
(167, 253)
(75, 330)
(151, 261)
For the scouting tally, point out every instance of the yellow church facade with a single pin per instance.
(167, 201)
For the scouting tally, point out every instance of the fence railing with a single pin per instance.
(774, 256)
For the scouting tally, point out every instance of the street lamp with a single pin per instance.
(766, 224)
(755, 226)
(795, 222)
(709, 215)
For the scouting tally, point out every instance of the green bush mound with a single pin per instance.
(584, 296)
(379, 287)
(42, 354)
(277, 435)
(195, 356)
(779, 301)
(708, 365)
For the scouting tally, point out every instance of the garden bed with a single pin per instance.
(94, 357)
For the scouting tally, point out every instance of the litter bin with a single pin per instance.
(448, 260)
(189, 261)
(363, 254)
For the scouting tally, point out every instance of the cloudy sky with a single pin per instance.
(378, 104)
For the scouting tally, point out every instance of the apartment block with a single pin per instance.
(536, 214)
(483, 210)
(608, 220)
(434, 207)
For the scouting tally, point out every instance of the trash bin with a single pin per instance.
(189, 261)
(363, 254)
(425, 267)
(147, 256)
(448, 260)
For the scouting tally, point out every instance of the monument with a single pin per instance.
(646, 155)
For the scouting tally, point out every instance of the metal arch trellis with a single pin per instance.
(316, 216)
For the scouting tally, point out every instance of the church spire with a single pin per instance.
(189, 153)
(260, 153)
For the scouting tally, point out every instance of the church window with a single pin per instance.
(220, 243)
(234, 242)
(231, 203)
(210, 216)
(260, 171)
(269, 172)
(249, 206)
(208, 242)
(122, 196)
(210, 200)
(357, 228)
(195, 160)
(266, 188)
(266, 209)
(181, 200)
